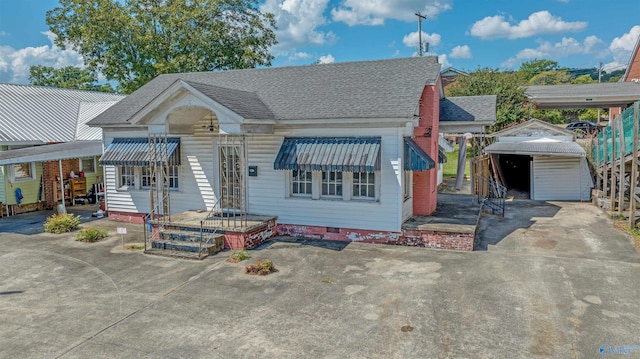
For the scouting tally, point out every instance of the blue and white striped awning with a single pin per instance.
(135, 152)
(345, 154)
(415, 158)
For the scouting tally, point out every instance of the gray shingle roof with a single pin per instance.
(244, 103)
(366, 89)
(45, 114)
(468, 108)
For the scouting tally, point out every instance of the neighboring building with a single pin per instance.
(41, 130)
(449, 75)
(541, 159)
(631, 74)
(334, 151)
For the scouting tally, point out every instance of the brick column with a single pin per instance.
(425, 184)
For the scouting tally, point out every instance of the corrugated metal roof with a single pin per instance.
(46, 114)
(58, 151)
(415, 158)
(537, 148)
(366, 89)
(345, 154)
(89, 110)
(135, 152)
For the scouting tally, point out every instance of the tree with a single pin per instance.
(507, 86)
(584, 79)
(551, 77)
(69, 77)
(529, 69)
(132, 41)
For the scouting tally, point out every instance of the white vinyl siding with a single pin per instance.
(560, 178)
(269, 191)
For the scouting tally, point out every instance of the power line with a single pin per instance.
(420, 18)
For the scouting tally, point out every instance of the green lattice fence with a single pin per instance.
(627, 125)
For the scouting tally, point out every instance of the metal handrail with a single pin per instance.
(209, 221)
(495, 197)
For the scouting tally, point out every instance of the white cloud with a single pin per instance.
(411, 39)
(444, 61)
(621, 49)
(375, 12)
(297, 23)
(299, 56)
(461, 52)
(14, 64)
(326, 59)
(568, 46)
(538, 23)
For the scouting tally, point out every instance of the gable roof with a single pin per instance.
(633, 68)
(365, 89)
(468, 109)
(534, 122)
(46, 114)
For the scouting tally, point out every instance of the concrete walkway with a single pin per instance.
(553, 281)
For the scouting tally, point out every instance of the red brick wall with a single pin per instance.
(425, 183)
(128, 217)
(251, 238)
(415, 238)
(49, 172)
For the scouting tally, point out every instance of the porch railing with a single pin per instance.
(492, 196)
(210, 225)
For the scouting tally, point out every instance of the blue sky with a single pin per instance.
(464, 34)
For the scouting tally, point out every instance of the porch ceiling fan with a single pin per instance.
(211, 126)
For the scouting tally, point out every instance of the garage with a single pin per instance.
(541, 159)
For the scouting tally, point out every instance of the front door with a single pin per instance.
(231, 178)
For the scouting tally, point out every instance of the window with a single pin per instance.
(364, 185)
(301, 183)
(22, 172)
(331, 184)
(173, 176)
(127, 176)
(408, 184)
(145, 179)
(88, 165)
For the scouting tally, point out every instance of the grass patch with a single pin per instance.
(91, 235)
(634, 233)
(239, 256)
(133, 247)
(62, 223)
(450, 167)
(262, 267)
(328, 280)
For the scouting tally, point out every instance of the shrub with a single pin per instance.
(262, 267)
(61, 223)
(239, 256)
(91, 234)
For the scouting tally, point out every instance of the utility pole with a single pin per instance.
(599, 81)
(420, 18)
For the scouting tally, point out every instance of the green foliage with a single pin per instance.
(552, 77)
(132, 41)
(69, 77)
(262, 267)
(530, 69)
(583, 79)
(239, 256)
(61, 223)
(91, 234)
(507, 86)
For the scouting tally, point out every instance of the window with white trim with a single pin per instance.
(88, 165)
(407, 184)
(173, 176)
(145, 177)
(301, 183)
(127, 176)
(364, 185)
(331, 184)
(20, 172)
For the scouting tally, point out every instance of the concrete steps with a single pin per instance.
(186, 244)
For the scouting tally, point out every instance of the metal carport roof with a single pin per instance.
(54, 152)
(596, 95)
(537, 148)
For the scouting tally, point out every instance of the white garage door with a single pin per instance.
(560, 178)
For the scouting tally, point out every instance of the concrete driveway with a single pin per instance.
(553, 281)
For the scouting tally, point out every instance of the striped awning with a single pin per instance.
(415, 158)
(442, 157)
(345, 154)
(135, 152)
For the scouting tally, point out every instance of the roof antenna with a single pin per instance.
(420, 18)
